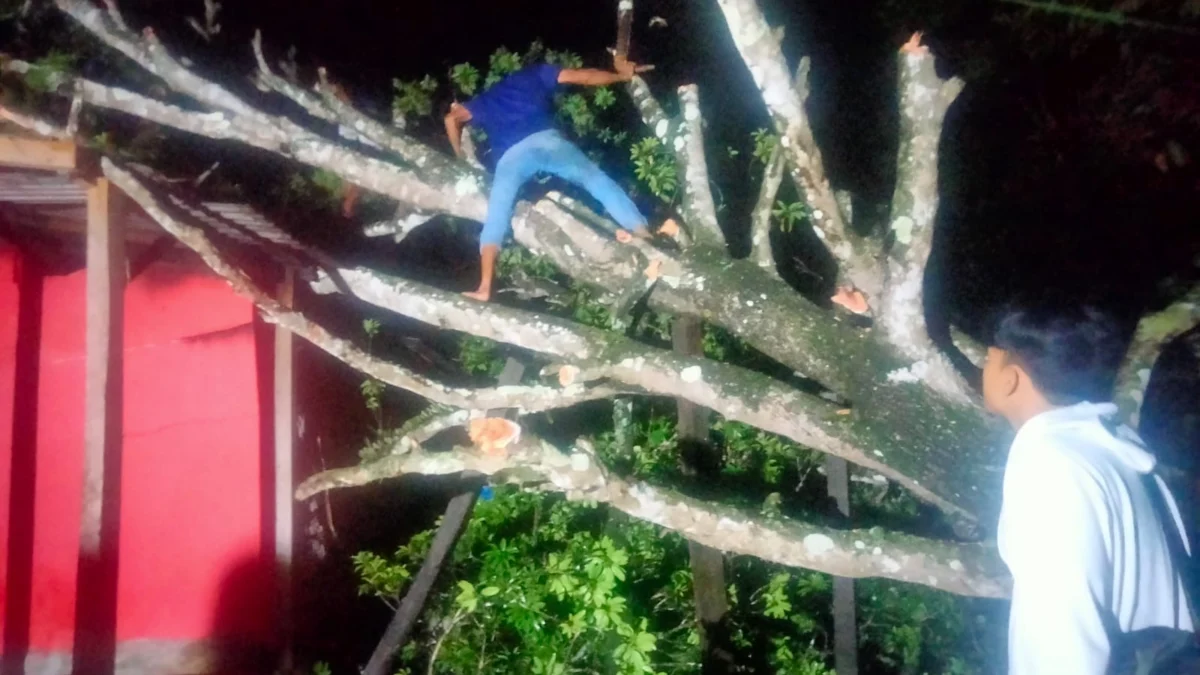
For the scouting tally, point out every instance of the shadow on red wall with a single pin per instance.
(242, 644)
(23, 472)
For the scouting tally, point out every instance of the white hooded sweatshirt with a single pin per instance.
(1083, 542)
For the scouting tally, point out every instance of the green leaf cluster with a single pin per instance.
(655, 167)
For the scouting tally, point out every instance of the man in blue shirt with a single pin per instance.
(517, 114)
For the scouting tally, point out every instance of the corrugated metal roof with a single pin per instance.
(61, 196)
(40, 187)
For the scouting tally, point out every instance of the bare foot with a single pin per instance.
(625, 236)
(482, 295)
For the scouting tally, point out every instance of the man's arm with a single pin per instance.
(623, 71)
(456, 119)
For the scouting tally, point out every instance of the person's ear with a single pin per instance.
(1012, 376)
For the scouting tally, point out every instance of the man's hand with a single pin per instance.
(456, 119)
(626, 69)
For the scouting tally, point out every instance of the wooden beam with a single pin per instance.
(36, 153)
(845, 621)
(454, 521)
(708, 564)
(285, 436)
(96, 585)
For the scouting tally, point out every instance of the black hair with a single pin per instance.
(1071, 350)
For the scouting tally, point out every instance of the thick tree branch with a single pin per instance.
(966, 569)
(760, 49)
(651, 110)
(924, 100)
(726, 389)
(287, 139)
(1154, 332)
(150, 54)
(526, 399)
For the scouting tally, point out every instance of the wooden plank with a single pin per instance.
(285, 435)
(845, 620)
(454, 520)
(708, 564)
(96, 584)
(36, 153)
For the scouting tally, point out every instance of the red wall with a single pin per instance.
(193, 558)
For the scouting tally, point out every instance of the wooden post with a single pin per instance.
(17, 611)
(845, 621)
(458, 512)
(708, 564)
(96, 584)
(624, 26)
(285, 434)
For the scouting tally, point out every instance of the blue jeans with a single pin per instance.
(548, 152)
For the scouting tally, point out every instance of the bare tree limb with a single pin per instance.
(698, 207)
(966, 569)
(924, 100)
(760, 50)
(1154, 332)
(760, 217)
(268, 80)
(35, 124)
(384, 135)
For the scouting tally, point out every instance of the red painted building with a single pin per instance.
(197, 579)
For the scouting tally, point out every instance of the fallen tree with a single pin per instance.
(886, 397)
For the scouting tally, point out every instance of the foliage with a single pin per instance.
(654, 165)
(480, 356)
(48, 72)
(465, 78)
(576, 109)
(788, 214)
(372, 388)
(564, 59)
(544, 585)
(513, 260)
(604, 98)
(413, 98)
(501, 63)
(765, 143)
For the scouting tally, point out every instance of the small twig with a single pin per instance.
(73, 116)
(204, 176)
(1113, 18)
(114, 13)
(437, 646)
(328, 503)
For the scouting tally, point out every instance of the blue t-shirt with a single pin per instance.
(516, 107)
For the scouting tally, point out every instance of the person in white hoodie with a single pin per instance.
(1086, 548)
